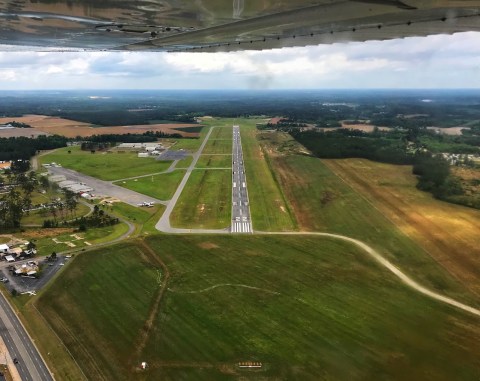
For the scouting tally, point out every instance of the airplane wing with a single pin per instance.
(228, 25)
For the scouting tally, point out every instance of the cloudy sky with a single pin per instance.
(423, 62)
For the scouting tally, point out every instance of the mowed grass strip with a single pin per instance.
(105, 166)
(321, 309)
(222, 132)
(218, 146)
(215, 161)
(98, 308)
(323, 202)
(268, 208)
(205, 201)
(161, 187)
(450, 233)
(190, 145)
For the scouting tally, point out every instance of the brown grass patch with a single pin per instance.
(208, 245)
(71, 128)
(449, 233)
(363, 127)
(449, 130)
(45, 233)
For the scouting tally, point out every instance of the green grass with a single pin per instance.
(215, 161)
(322, 310)
(47, 245)
(205, 201)
(222, 132)
(323, 202)
(191, 145)
(105, 166)
(269, 210)
(161, 187)
(218, 147)
(149, 226)
(138, 215)
(114, 291)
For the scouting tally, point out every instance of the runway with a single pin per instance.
(241, 221)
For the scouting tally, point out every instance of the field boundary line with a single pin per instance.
(155, 308)
(391, 267)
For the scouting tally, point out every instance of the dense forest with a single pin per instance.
(23, 148)
(325, 108)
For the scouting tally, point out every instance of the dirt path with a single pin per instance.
(404, 278)
(452, 243)
(147, 327)
(223, 285)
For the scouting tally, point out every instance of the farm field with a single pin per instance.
(321, 201)
(161, 187)
(206, 201)
(305, 307)
(219, 146)
(72, 128)
(215, 161)
(269, 210)
(105, 166)
(448, 232)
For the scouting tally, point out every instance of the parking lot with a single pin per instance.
(23, 283)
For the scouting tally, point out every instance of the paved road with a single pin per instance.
(105, 187)
(164, 223)
(31, 366)
(241, 222)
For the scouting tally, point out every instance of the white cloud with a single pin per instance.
(434, 61)
(8, 75)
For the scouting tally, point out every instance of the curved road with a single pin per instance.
(404, 278)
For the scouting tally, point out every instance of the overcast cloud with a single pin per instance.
(420, 62)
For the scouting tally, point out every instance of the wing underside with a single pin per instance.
(212, 25)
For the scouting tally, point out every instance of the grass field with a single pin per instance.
(215, 161)
(323, 202)
(449, 233)
(307, 308)
(44, 239)
(105, 166)
(187, 144)
(222, 146)
(222, 132)
(161, 187)
(269, 210)
(117, 287)
(205, 202)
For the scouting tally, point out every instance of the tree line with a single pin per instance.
(23, 148)
(433, 171)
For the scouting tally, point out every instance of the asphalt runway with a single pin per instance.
(241, 221)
